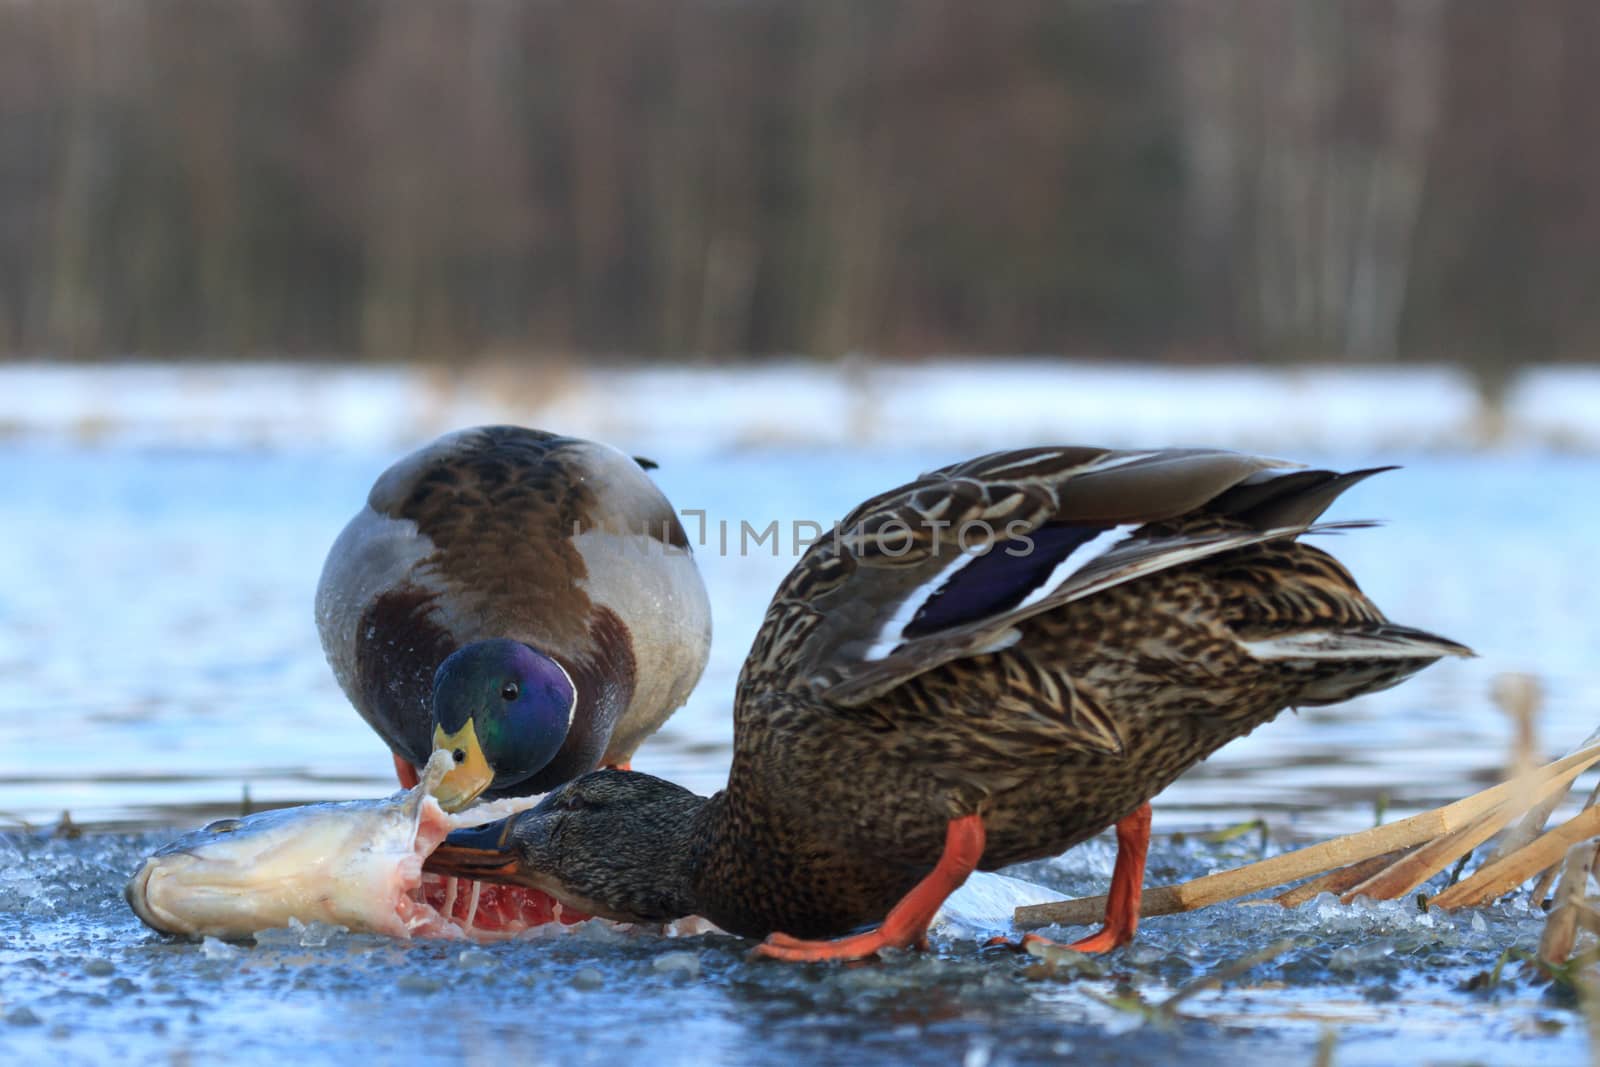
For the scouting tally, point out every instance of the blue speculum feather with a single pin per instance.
(1000, 579)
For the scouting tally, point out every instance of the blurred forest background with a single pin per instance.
(1262, 180)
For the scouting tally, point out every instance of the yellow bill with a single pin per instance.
(471, 774)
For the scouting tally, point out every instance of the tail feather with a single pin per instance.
(1346, 663)
(1381, 641)
(1297, 498)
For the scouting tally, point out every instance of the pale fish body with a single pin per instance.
(358, 864)
(355, 864)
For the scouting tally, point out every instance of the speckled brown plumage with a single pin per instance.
(502, 531)
(920, 667)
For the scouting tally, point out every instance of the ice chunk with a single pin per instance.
(978, 1053)
(1358, 957)
(685, 965)
(983, 906)
(213, 949)
(297, 934)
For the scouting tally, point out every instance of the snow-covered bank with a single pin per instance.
(967, 405)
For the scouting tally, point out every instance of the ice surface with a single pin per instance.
(1390, 981)
(299, 934)
(184, 577)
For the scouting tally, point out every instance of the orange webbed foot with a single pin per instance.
(906, 925)
(859, 947)
(1127, 887)
(1106, 940)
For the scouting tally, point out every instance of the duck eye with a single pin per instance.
(509, 691)
(459, 755)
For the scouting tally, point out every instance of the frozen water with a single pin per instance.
(87, 982)
(158, 666)
(186, 578)
(297, 934)
(982, 908)
(685, 965)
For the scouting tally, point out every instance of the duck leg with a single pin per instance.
(1127, 885)
(906, 925)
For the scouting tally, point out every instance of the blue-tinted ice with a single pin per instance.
(157, 657)
(81, 978)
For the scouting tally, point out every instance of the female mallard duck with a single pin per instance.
(985, 666)
(523, 600)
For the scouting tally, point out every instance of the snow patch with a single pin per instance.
(952, 404)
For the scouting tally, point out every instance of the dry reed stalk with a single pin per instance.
(1410, 871)
(1337, 881)
(1546, 882)
(1561, 928)
(1496, 879)
(1463, 821)
(1520, 697)
(1588, 915)
(1542, 886)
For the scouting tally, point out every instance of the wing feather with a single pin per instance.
(928, 572)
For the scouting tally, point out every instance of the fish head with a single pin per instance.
(353, 863)
(232, 877)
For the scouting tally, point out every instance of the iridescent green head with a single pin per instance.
(502, 710)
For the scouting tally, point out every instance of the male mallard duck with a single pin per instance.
(988, 665)
(523, 600)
